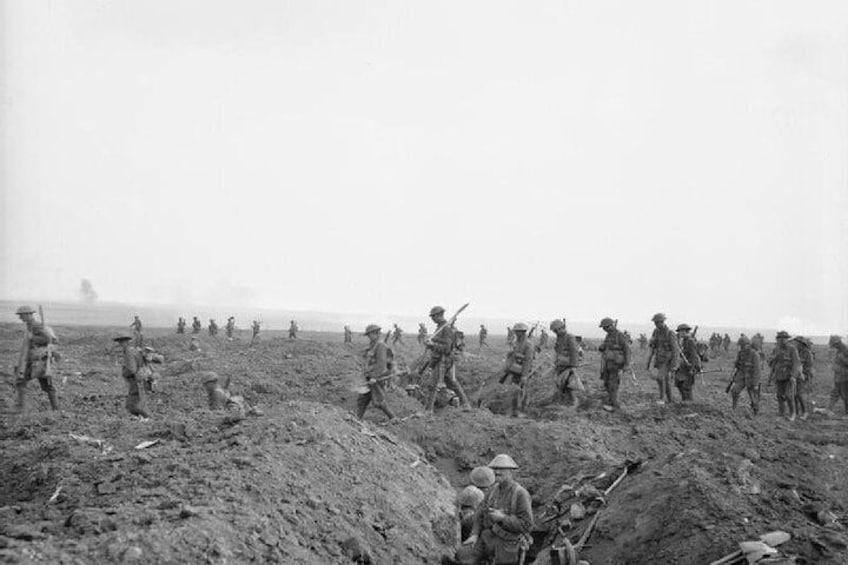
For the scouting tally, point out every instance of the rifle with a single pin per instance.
(533, 329)
(48, 361)
(387, 336)
(424, 366)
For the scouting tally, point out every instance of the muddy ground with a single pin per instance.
(307, 483)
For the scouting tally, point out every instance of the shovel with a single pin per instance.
(753, 551)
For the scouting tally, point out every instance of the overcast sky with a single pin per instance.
(537, 159)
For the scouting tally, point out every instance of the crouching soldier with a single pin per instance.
(746, 374)
(149, 375)
(219, 397)
(468, 500)
(502, 523)
(378, 369)
(37, 358)
(131, 362)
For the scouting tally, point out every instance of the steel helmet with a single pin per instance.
(658, 317)
(557, 325)
(503, 461)
(25, 310)
(372, 328)
(782, 335)
(470, 496)
(482, 477)
(743, 340)
(684, 328)
(435, 310)
(520, 327)
(122, 337)
(606, 322)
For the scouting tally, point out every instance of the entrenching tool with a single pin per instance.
(752, 551)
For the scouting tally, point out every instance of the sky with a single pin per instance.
(545, 159)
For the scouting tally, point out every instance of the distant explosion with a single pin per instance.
(87, 292)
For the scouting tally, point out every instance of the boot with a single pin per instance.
(735, 401)
(20, 398)
(54, 401)
(781, 407)
(791, 404)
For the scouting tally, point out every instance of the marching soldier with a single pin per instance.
(348, 335)
(543, 340)
(725, 343)
(138, 337)
(378, 369)
(131, 362)
(746, 374)
(397, 335)
(665, 354)
(643, 342)
(757, 344)
(615, 358)
(255, 328)
(519, 365)
(502, 524)
(805, 382)
(230, 327)
(566, 359)
(785, 366)
(293, 329)
(840, 373)
(213, 327)
(442, 359)
(684, 377)
(484, 333)
(181, 325)
(196, 326)
(36, 359)
(422, 334)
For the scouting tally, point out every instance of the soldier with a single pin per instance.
(196, 325)
(292, 329)
(397, 335)
(725, 343)
(36, 359)
(805, 382)
(481, 338)
(543, 340)
(467, 501)
(422, 334)
(757, 344)
(566, 359)
(665, 354)
(378, 369)
(626, 335)
(213, 327)
(138, 337)
(502, 524)
(519, 365)
(746, 374)
(219, 397)
(348, 335)
(615, 357)
(840, 373)
(690, 366)
(643, 341)
(147, 374)
(230, 327)
(785, 370)
(131, 362)
(442, 359)
(181, 325)
(510, 336)
(255, 328)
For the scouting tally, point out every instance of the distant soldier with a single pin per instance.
(785, 366)
(627, 336)
(442, 362)
(510, 336)
(138, 336)
(543, 339)
(481, 338)
(230, 327)
(131, 362)
(213, 327)
(805, 381)
(725, 343)
(566, 359)
(665, 354)
(219, 397)
(757, 343)
(148, 373)
(36, 359)
(840, 373)
(379, 368)
(255, 328)
(196, 326)
(181, 325)
(615, 358)
(643, 341)
(684, 377)
(502, 524)
(348, 335)
(194, 344)
(518, 366)
(746, 374)
(397, 335)
(292, 329)
(422, 334)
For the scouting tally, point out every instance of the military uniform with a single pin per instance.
(348, 335)
(519, 365)
(36, 360)
(442, 364)
(293, 330)
(482, 337)
(748, 370)
(138, 336)
(684, 377)
(397, 335)
(840, 373)
(181, 326)
(786, 369)
(666, 357)
(805, 380)
(131, 362)
(615, 357)
(378, 368)
(566, 359)
(230, 327)
(422, 334)
(196, 326)
(643, 341)
(147, 373)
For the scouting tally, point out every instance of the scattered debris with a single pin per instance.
(147, 443)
